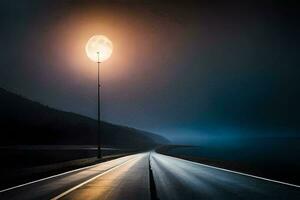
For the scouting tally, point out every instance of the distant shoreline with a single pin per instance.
(56, 147)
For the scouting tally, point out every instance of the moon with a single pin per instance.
(99, 48)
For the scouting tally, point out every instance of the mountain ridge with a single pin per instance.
(24, 121)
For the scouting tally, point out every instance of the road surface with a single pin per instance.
(180, 179)
(122, 178)
(127, 178)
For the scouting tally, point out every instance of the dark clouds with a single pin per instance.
(219, 65)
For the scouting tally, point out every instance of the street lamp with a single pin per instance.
(99, 48)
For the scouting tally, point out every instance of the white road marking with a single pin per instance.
(235, 172)
(42, 179)
(85, 182)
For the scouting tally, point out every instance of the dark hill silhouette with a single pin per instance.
(27, 122)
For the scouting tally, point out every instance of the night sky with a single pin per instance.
(183, 70)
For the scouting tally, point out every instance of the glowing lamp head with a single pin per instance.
(99, 48)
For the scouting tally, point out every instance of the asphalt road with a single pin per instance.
(122, 178)
(127, 178)
(180, 179)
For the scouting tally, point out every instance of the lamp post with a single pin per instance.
(99, 48)
(99, 154)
